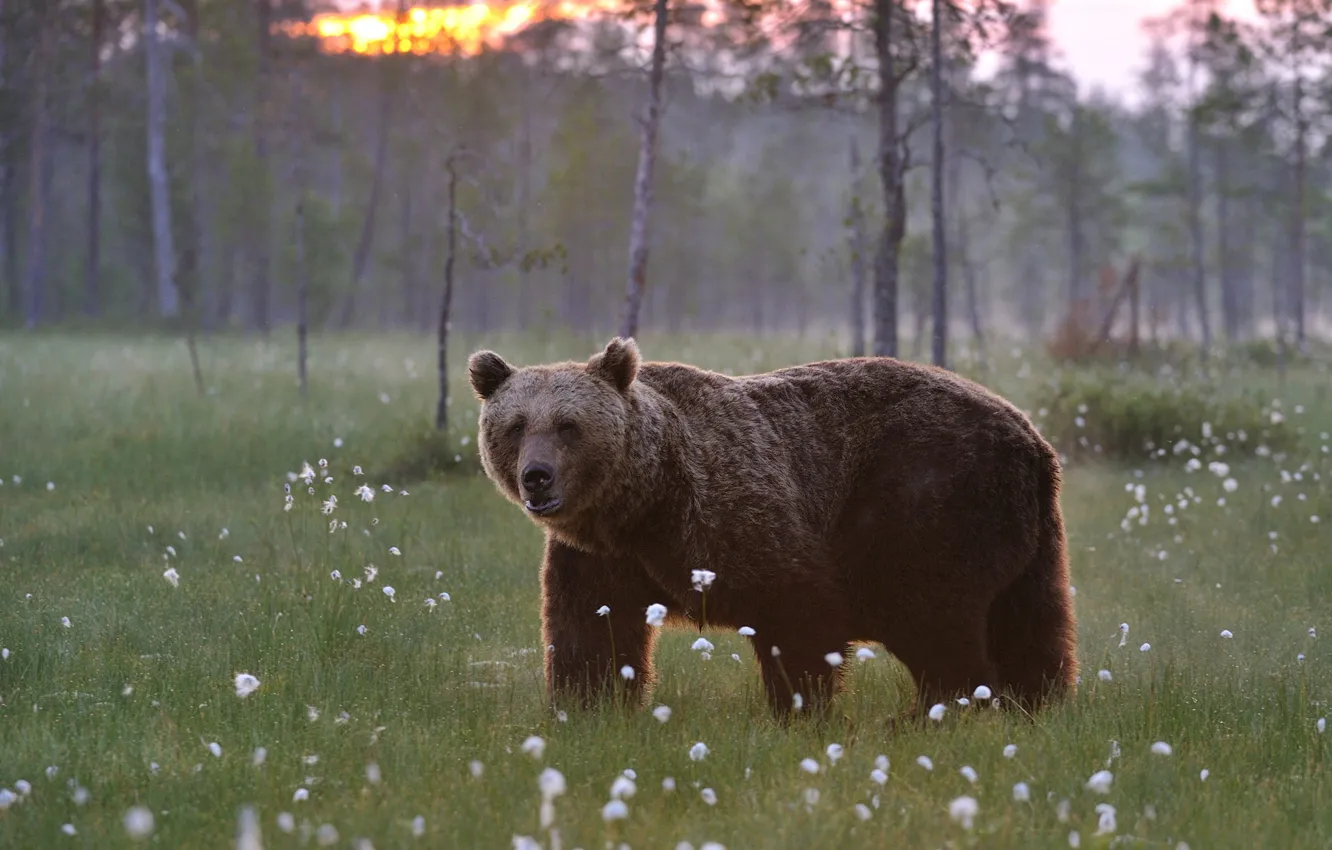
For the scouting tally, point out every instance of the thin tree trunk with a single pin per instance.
(8, 197)
(189, 269)
(406, 250)
(858, 252)
(261, 296)
(446, 303)
(647, 160)
(939, 302)
(1075, 245)
(302, 297)
(38, 154)
(1225, 265)
(1297, 240)
(92, 269)
(523, 212)
(164, 249)
(1196, 234)
(892, 168)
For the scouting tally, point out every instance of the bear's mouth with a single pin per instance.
(546, 508)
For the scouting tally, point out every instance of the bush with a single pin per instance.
(1132, 417)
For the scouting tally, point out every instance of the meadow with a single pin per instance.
(149, 557)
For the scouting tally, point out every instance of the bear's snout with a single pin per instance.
(537, 478)
(538, 483)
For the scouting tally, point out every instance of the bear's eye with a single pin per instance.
(516, 429)
(567, 430)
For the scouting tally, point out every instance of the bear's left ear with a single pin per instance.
(617, 363)
(487, 371)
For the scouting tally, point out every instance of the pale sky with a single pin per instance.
(1102, 41)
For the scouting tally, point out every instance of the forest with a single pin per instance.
(248, 165)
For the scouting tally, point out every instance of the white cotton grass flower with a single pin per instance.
(172, 576)
(746, 631)
(1227, 633)
(863, 812)
(1203, 774)
(878, 776)
(138, 822)
(394, 550)
(627, 673)
(698, 752)
(963, 810)
(834, 752)
(969, 773)
(1123, 633)
(1100, 782)
(69, 829)
(662, 713)
(937, 711)
(864, 654)
(259, 756)
(614, 810)
(809, 765)
(246, 684)
(1105, 675)
(656, 614)
(702, 645)
(603, 611)
(1161, 748)
(286, 822)
(1146, 647)
(668, 784)
(925, 762)
(7, 798)
(834, 659)
(1105, 824)
(1321, 725)
(1010, 750)
(709, 796)
(982, 692)
(301, 795)
(64, 621)
(534, 746)
(1021, 793)
(702, 579)
(418, 826)
(390, 592)
(623, 788)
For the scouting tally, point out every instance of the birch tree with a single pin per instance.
(647, 160)
(164, 250)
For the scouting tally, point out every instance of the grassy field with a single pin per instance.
(401, 720)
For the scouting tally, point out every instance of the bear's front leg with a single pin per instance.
(594, 624)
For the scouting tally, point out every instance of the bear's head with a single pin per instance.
(551, 436)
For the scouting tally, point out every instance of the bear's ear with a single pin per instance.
(617, 363)
(488, 371)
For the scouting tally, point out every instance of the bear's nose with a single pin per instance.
(537, 477)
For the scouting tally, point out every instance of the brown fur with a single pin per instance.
(857, 500)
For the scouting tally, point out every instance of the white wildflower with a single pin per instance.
(963, 810)
(698, 752)
(246, 684)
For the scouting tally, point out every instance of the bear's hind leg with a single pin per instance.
(1031, 639)
(947, 659)
(586, 652)
(800, 669)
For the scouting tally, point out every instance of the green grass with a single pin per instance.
(125, 701)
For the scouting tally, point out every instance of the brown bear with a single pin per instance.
(838, 502)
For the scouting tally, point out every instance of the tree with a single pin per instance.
(164, 250)
(939, 302)
(647, 158)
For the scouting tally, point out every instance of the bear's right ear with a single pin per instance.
(488, 371)
(617, 363)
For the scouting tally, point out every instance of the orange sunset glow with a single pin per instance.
(464, 29)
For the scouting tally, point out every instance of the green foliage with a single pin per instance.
(1129, 417)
